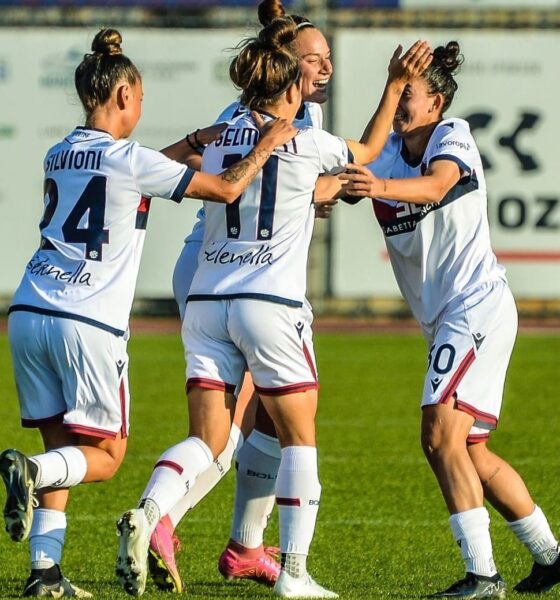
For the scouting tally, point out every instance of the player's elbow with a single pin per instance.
(231, 194)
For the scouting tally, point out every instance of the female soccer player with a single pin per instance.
(68, 324)
(429, 196)
(245, 556)
(245, 308)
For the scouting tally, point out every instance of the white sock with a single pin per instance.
(535, 534)
(297, 494)
(471, 530)
(60, 468)
(257, 469)
(175, 473)
(46, 538)
(207, 481)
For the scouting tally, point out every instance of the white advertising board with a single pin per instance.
(185, 86)
(508, 89)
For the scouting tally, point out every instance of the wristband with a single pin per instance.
(197, 141)
(193, 147)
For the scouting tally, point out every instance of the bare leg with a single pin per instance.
(502, 485)
(444, 434)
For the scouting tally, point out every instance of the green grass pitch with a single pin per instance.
(382, 530)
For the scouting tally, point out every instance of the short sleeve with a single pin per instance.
(334, 153)
(231, 112)
(382, 166)
(157, 175)
(452, 140)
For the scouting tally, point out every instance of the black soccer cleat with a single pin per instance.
(475, 586)
(50, 583)
(540, 579)
(18, 473)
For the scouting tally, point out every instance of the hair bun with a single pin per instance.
(449, 57)
(281, 32)
(108, 42)
(268, 10)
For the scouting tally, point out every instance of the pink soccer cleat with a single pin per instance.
(161, 557)
(258, 564)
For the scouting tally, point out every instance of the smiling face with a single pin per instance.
(314, 57)
(417, 108)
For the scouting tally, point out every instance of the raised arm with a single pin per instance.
(189, 150)
(432, 187)
(401, 70)
(230, 184)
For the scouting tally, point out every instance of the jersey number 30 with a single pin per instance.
(92, 201)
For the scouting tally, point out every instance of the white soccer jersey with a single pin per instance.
(309, 115)
(257, 247)
(438, 251)
(97, 192)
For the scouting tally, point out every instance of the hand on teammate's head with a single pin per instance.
(412, 63)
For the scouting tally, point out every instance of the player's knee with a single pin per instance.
(433, 440)
(109, 465)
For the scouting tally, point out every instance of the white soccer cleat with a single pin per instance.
(132, 559)
(300, 587)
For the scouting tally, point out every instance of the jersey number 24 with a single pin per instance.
(92, 200)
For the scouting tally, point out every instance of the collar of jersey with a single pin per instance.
(93, 129)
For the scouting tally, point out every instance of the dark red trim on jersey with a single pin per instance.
(142, 212)
(122, 398)
(477, 438)
(309, 360)
(457, 377)
(391, 224)
(288, 501)
(29, 423)
(477, 414)
(169, 464)
(210, 384)
(294, 388)
(91, 431)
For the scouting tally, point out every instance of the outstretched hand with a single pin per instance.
(278, 131)
(412, 64)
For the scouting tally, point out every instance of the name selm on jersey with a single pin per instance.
(438, 251)
(258, 246)
(97, 194)
(309, 115)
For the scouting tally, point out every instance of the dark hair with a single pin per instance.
(99, 72)
(265, 66)
(440, 74)
(268, 10)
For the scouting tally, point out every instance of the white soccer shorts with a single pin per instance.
(469, 355)
(274, 341)
(183, 274)
(70, 371)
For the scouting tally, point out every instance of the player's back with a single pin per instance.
(93, 226)
(258, 246)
